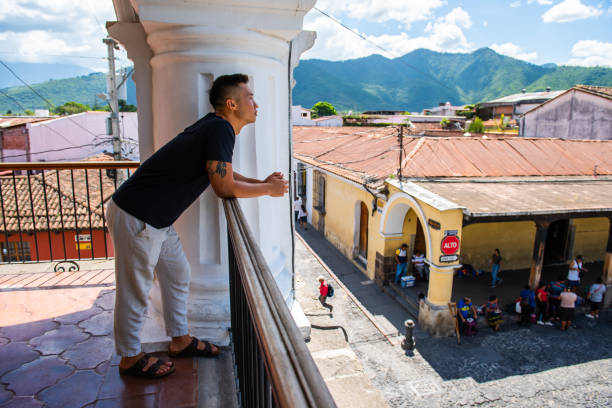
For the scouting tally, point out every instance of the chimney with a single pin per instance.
(548, 89)
(523, 90)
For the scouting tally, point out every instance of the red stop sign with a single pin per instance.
(450, 244)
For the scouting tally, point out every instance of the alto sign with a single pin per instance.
(450, 245)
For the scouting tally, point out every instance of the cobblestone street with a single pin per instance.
(538, 366)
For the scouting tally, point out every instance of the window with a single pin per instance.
(319, 193)
(15, 251)
(301, 180)
(304, 115)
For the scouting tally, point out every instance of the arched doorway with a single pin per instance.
(363, 231)
(420, 244)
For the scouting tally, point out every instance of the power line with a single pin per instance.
(49, 151)
(385, 50)
(13, 99)
(26, 84)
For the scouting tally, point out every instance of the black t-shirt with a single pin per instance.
(174, 176)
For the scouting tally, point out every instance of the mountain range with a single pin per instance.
(424, 78)
(420, 79)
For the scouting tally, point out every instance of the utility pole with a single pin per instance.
(112, 97)
(400, 138)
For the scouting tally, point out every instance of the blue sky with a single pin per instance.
(576, 32)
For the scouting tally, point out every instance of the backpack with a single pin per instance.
(330, 290)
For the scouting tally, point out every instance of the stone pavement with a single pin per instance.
(519, 367)
(56, 350)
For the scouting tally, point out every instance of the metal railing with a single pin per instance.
(55, 211)
(273, 365)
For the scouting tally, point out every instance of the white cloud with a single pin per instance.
(514, 51)
(336, 43)
(541, 2)
(380, 11)
(485, 23)
(590, 53)
(515, 3)
(570, 10)
(58, 31)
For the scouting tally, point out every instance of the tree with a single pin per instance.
(476, 126)
(29, 112)
(125, 107)
(322, 109)
(70, 108)
(445, 123)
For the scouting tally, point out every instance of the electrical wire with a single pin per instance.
(49, 151)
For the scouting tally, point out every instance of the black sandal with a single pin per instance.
(136, 369)
(192, 350)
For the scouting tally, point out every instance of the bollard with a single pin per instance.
(408, 343)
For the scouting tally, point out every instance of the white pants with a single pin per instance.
(139, 250)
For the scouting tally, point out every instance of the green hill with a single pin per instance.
(82, 89)
(424, 78)
(420, 79)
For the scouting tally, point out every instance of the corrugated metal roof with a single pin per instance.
(527, 198)
(526, 96)
(356, 153)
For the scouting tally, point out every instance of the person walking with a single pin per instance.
(401, 259)
(596, 296)
(142, 211)
(303, 216)
(567, 310)
(493, 313)
(297, 204)
(495, 268)
(323, 293)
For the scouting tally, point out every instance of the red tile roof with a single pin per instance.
(64, 196)
(357, 153)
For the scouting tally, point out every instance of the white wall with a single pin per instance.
(573, 115)
(57, 139)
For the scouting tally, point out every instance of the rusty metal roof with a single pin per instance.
(7, 122)
(358, 152)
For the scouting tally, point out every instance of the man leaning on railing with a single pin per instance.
(143, 209)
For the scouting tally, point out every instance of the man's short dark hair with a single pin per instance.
(223, 86)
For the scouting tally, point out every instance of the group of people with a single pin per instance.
(420, 268)
(554, 301)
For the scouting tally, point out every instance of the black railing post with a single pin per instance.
(103, 213)
(20, 245)
(91, 235)
(59, 200)
(76, 219)
(44, 184)
(33, 215)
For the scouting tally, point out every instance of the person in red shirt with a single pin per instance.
(323, 290)
(542, 305)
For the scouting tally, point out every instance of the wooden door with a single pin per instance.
(363, 231)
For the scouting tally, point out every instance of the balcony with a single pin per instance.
(57, 300)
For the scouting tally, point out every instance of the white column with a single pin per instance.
(193, 43)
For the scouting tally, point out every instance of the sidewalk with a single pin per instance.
(521, 367)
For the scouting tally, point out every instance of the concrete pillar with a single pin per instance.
(192, 43)
(538, 253)
(434, 315)
(607, 268)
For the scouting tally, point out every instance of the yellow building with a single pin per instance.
(530, 197)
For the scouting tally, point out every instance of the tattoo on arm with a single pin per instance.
(220, 169)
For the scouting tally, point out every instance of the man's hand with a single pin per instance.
(276, 174)
(278, 185)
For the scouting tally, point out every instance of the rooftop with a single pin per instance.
(357, 153)
(523, 97)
